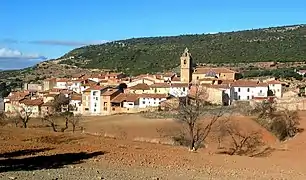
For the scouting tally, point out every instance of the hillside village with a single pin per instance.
(113, 93)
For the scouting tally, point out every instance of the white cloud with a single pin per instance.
(6, 53)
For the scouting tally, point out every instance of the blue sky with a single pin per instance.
(34, 30)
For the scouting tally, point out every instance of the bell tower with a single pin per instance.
(186, 67)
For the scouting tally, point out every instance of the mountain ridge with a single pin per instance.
(155, 54)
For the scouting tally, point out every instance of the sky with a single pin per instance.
(33, 30)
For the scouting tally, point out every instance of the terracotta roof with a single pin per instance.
(160, 85)
(95, 88)
(274, 82)
(125, 97)
(154, 96)
(32, 102)
(180, 85)
(168, 74)
(216, 86)
(110, 92)
(248, 83)
(62, 80)
(49, 103)
(176, 79)
(141, 86)
(76, 97)
(204, 70)
(51, 95)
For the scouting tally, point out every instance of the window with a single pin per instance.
(248, 89)
(185, 62)
(95, 104)
(277, 90)
(184, 89)
(197, 77)
(86, 109)
(94, 93)
(248, 97)
(260, 91)
(97, 98)
(239, 97)
(95, 110)
(143, 102)
(238, 89)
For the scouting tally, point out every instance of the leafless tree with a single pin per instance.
(24, 113)
(75, 121)
(240, 141)
(61, 111)
(52, 119)
(197, 116)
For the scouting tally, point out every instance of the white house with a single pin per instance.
(76, 103)
(245, 90)
(95, 99)
(151, 100)
(75, 86)
(61, 84)
(301, 72)
(126, 100)
(275, 88)
(179, 89)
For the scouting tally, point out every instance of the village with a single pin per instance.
(111, 93)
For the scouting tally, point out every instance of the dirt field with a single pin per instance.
(113, 153)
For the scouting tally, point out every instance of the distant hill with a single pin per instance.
(153, 54)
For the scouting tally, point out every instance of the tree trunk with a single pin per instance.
(66, 126)
(53, 127)
(192, 140)
(24, 124)
(73, 128)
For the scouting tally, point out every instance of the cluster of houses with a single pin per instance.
(111, 93)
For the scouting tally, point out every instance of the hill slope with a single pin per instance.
(153, 54)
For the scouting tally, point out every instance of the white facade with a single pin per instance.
(75, 86)
(129, 104)
(246, 93)
(150, 102)
(276, 89)
(95, 99)
(61, 85)
(178, 91)
(77, 106)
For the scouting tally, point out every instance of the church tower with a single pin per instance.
(186, 67)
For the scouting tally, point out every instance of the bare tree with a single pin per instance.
(52, 119)
(198, 117)
(61, 111)
(240, 141)
(24, 113)
(75, 121)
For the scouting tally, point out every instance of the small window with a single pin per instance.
(185, 62)
(239, 97)
(86, 109)
(238, 89)
(197, 77)
(260, 91)
(95, 110)
(143, 102)
(184, 89)
(248, 97)
(248, 89)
